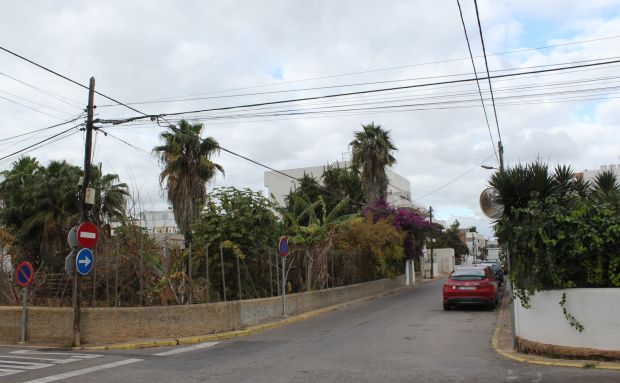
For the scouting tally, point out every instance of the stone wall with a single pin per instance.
(118, 324)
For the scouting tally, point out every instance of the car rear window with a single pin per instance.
(468, 274)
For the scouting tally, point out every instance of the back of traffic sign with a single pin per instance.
(24, 274)
(72, 239)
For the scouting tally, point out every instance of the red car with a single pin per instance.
(470, 285)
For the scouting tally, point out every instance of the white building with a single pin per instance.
(162, 227)
(589, 175)
(279, 186)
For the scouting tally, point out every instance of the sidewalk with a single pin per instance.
(502, 344)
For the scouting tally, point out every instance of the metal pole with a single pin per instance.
(85, 207)
(222, 265)
(283, 286)
(189, 275)
(513, 328)
(207, 273)
(24, 312)
(238, 279)
(277, 273)
(270, 275)
(432, 249)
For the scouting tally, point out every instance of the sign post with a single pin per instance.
(24, 274)
(283, 249)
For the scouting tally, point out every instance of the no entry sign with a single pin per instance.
(87, 235)
(24, 274)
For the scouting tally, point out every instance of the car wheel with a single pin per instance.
(446, 306)
(492, 306)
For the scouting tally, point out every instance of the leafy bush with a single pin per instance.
(561, 232)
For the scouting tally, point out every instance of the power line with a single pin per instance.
(68, 79)
(40, 142)
(31, 108)
(55, 96)
(381, 69)
(486, 117)
(161, 101)
(453, 181)
(40, 130)
(486, 64)
(368, 91)
(34, 102)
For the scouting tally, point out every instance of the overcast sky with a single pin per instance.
(260, 51)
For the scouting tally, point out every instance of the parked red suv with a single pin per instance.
(470, 285)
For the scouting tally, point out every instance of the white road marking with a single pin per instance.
(84, 371)
(6, 371)
(25, 365)
(79, 356)
(186, 349)
(53, 360)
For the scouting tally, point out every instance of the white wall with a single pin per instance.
(443, 260)
(278, 185)
(597, 309)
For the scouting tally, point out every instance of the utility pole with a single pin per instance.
(513, 326)
(85, 206)
(432, 248)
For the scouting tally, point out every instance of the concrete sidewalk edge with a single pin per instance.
(238, 333)
(514, 355)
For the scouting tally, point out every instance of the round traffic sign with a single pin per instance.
(84, 261)
(283, 246)
(87, 235)
(24, 274)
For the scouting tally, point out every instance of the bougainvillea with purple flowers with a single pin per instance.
(411, 221)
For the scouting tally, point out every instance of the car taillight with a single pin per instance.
(450, 285)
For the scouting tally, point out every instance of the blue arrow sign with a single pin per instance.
(84, 261)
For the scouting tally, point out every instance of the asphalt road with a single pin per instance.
(404, 337)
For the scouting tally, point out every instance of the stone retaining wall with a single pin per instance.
(119, 324)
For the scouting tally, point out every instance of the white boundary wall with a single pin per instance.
(598, 310)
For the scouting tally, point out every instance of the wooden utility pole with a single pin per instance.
(432, 248)
(85, 206)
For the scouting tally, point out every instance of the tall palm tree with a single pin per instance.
(187, 167)
(372, 150)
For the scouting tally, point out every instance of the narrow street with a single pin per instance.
(404, 337)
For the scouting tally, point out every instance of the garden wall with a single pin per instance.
(109, 325)
(544, 325)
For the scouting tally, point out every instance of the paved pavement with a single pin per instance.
(403, 337)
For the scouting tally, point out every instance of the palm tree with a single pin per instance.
(110, 197)
(187, 167)
(606, 188)
(372, 151)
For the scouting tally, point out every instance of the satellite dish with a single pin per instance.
(489, 205)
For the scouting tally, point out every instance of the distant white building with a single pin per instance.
(279, 186)
(492, 249)
(589, 175)
(162, 227)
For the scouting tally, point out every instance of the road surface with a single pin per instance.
(403, 337)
